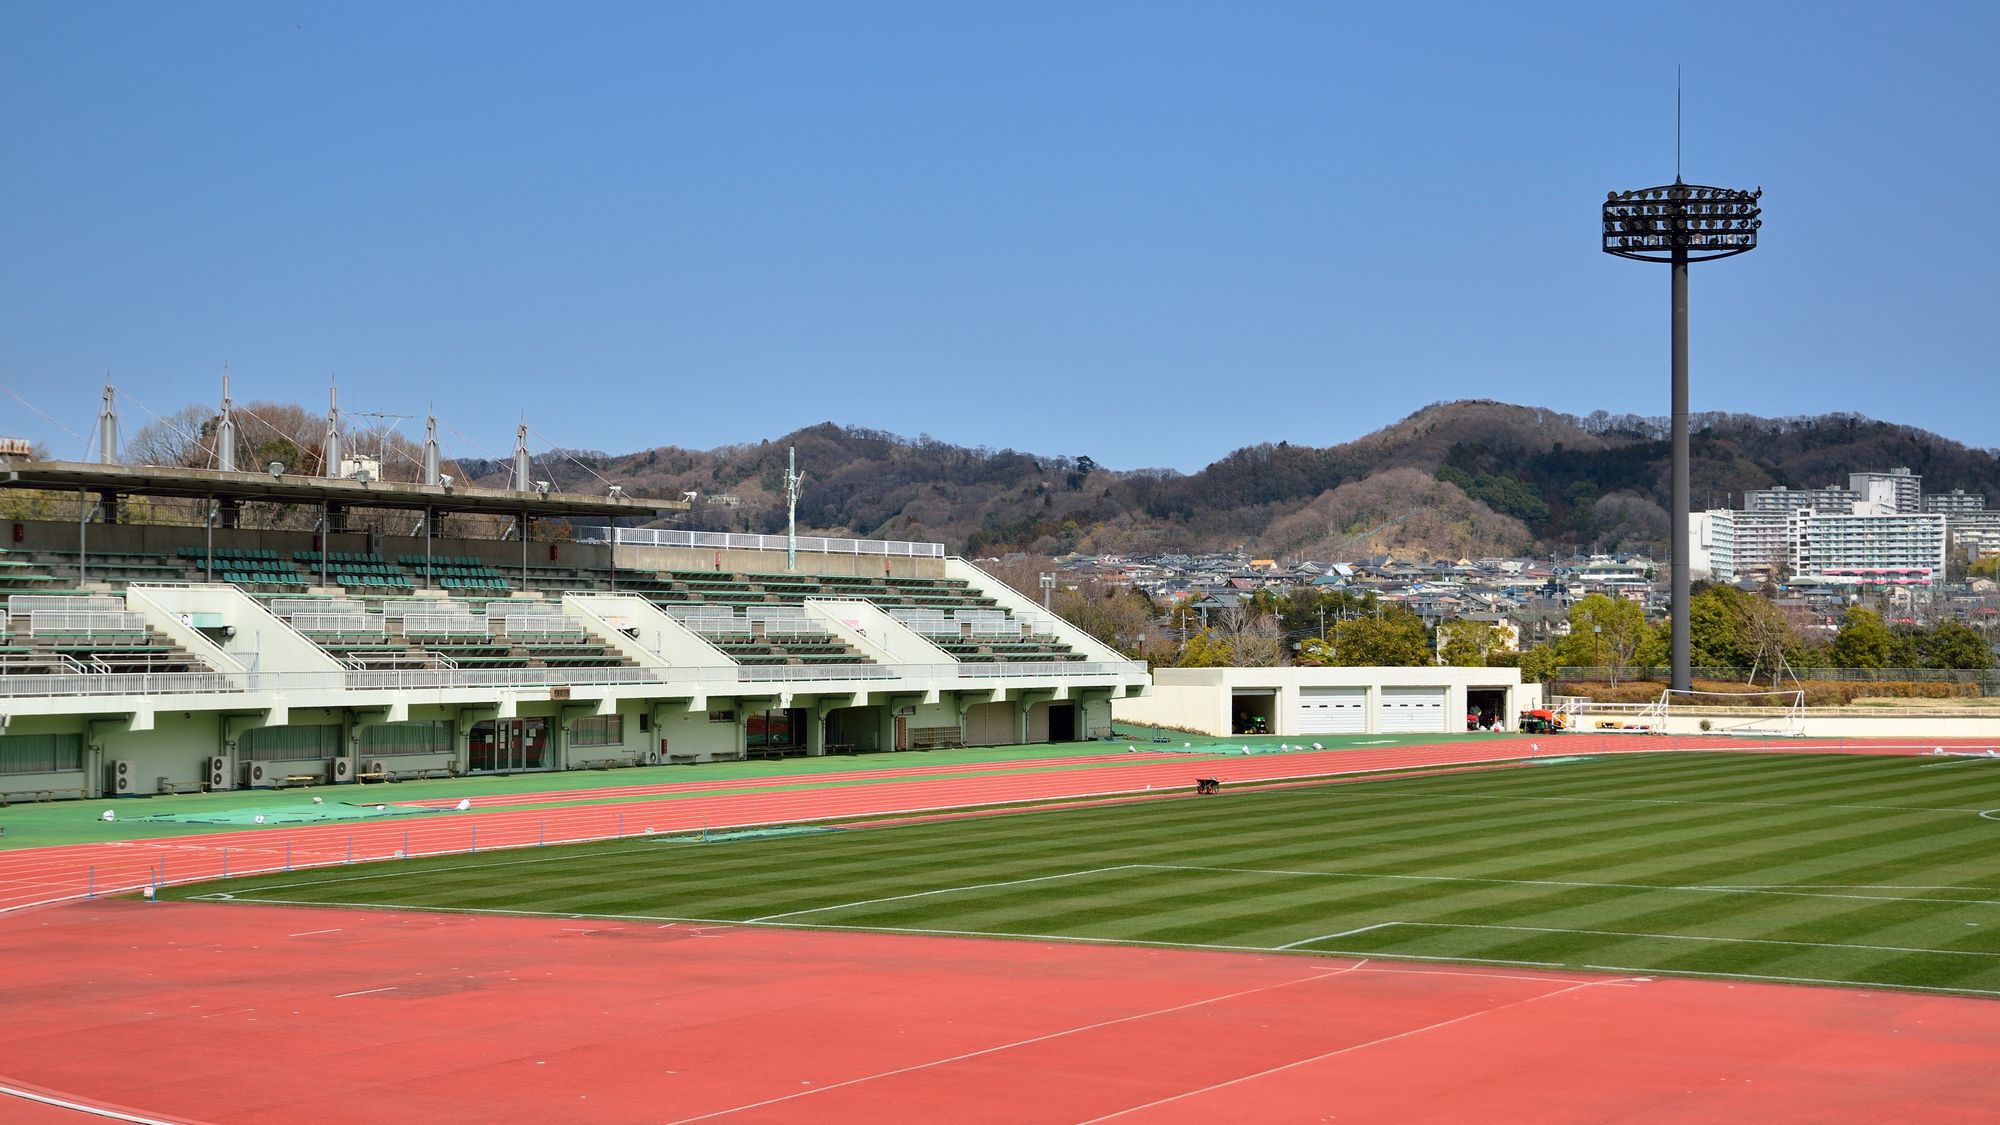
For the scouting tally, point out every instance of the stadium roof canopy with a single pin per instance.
(298, 488)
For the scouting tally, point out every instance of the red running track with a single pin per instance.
(37, 876)
(243, 1015)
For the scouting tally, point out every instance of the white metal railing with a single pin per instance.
(330, 623)
(445, 607)
(21, 605)
(290, 607)
(764, 673)
(542, 625)
(433, 678)
(1016, 668)
(120, 683)
(42, 622)
(422, 679)
(716, 625)
(731, 541)
(443, 625)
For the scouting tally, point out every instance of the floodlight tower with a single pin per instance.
(1680, 224)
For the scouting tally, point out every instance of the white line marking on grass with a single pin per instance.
(1330, 937)
(1849, 887)
(1666, 801)
(1078, 1030)
(1561, 883)
(83, 1107)
(943, 891)
(1701, 937)
(1763, 978)
(1339, 1051)
(1953, 762)
(365, 992)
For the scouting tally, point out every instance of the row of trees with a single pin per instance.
(1321, 628)
(1729, 628)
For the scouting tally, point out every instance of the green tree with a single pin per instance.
(1954, 644)
(1862, 642)
(1716, 622)
(1205, 650)
(1468, 644)
(1988, 566)
(1612, 633)
(1539, 664)
(1396, 639)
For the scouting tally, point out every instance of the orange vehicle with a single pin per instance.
(1541, 722)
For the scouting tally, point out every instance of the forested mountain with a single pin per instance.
(1459, 478)
(1454, 479)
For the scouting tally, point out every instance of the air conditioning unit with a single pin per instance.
(341, 771)
(379, 768)
(124, 777)
(218, 773)
(261, 775)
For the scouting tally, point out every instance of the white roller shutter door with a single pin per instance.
(1332, 710)
(1413, 710)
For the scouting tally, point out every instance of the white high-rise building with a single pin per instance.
(1778, 498)
(1897, 490)
(1867, 549)
(1742, 544)
(1957, 500)
(1975, 533)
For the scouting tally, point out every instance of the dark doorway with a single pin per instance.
(1252, 712)
(1062, 722)
(1485, 708)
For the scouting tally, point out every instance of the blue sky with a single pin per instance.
(1148, 232)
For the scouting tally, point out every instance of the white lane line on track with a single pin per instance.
(1065, 1033)
(85, 1107)
(942, 891)
(309, 933)
(364, 992)
(1349, 1049)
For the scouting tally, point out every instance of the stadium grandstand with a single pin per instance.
(148, 657)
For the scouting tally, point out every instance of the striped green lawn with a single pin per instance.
(1871, 871)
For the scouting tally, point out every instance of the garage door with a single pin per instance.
(989, 724)
(1413, 710)
(1332, 710)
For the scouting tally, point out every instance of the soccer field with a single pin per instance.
(1816, 869)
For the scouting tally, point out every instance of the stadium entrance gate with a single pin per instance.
(1331, 710)
(506, 745)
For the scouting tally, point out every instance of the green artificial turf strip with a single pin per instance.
(76, 822)
(1814, 868)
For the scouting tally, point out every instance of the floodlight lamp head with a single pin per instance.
(276, 469)
(542, 487)
(445, 480)
(690, 496)
(617, 490)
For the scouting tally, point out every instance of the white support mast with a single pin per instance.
(225, 430)
(793, 479)
(107, 428)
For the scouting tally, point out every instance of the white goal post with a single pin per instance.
(1736, 712)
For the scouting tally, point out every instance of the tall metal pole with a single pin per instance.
(1682, 484)
(1679, 224)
